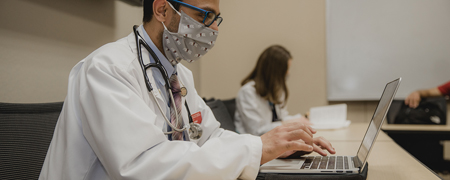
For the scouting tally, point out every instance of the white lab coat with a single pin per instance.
(253, 113)
(111, 128)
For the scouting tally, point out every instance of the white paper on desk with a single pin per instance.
(329, 117)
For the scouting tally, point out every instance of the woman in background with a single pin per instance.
(261, 101)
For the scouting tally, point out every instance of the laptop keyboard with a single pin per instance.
(325, 162)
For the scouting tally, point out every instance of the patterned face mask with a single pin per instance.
(192, 41)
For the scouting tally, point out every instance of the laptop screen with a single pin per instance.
(377, 120)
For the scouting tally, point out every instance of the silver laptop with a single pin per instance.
(339, 164)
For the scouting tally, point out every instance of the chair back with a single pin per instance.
(222, 114)
(231, 106)
(26, 131)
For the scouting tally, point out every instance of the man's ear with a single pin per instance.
(160, 10)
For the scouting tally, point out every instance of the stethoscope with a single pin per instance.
(195, 130)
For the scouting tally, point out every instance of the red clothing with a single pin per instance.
(445, 88)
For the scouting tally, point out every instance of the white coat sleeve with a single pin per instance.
(223, 143)
(253, 117)
(120, 128)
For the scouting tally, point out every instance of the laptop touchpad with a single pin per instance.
(285, 163)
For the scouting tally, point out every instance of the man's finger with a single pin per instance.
(298, 146)
(319, 150)
(324, 144)
(295, 125)
(300, 134)
(313, 131)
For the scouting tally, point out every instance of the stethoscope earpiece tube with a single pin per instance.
(195, 130)
(141, 62)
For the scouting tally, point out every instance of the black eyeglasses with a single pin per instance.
(210, 17)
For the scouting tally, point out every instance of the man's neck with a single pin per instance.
(154, 30)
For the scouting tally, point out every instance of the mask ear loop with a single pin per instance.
(175, 11)
(165, 26)
(170, 4)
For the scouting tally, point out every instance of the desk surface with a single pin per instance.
(386, 161)
(415, 127)
(354, 132)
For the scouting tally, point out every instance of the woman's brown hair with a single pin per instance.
(270, 73)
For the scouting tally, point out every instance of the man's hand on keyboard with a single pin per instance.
(288, 137)
(320, 144)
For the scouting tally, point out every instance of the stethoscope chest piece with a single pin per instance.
(195, 131)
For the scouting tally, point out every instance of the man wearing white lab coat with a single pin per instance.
(111, 128)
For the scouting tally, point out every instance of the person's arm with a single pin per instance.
(414, 98)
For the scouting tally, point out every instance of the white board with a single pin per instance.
(371, 42)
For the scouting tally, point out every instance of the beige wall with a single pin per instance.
(251, 26)
(40, 41)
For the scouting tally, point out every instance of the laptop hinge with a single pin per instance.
(357, 163)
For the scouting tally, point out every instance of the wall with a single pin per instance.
(251, 26)
(40, 41)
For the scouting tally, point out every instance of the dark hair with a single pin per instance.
(269, 74)
(148, 9)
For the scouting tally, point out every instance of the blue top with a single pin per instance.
(159, 79)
